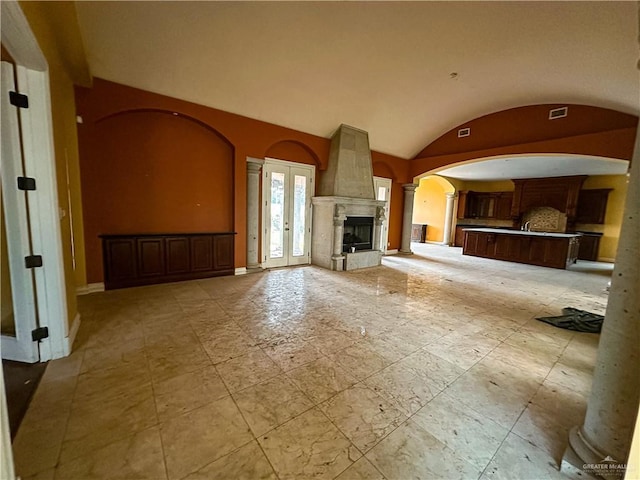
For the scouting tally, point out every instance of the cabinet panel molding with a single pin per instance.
(145, 259)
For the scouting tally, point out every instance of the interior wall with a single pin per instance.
(429, 205)
(613, 216)
(245, 136)
(58, 36)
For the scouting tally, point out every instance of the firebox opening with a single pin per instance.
(358, 234)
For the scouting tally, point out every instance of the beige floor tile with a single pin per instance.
(138, 456)
(171, 361)
(577, 379)
(560, 402)
(309, 446)
(247, 370)
(406, 390)
(361, 470)
(292, 354)
(188, 391)
(436, 371)
(517, 458)
(472, 436)
(271, 403)
(543, 430)
(362, 415)
(321, 379)
(462, 350)
(199, 437)
(246, 463)
(485, 396)
(93, 424)
(412, 452)
(37, 447)
(48, 474)
(360, 360)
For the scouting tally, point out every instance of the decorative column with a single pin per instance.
(337, 259)
(407, 217)
(377, 229)
(615, 394)
(254, 167)
(448, 218)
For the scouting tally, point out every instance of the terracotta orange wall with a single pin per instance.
(135, 152)
(586, 130)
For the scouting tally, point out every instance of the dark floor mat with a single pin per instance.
(20, 383)
(574, 319)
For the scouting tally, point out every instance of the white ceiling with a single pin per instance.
(381, 66)
(524, 166)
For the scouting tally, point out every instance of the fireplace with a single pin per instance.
(358, 234)
(347, 219)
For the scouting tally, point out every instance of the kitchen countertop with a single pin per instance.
(521, 232)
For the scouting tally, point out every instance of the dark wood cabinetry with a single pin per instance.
(560, 193)
(132, 260)
(592, 205)
(589, 246)
(485, 205)
(546, 251)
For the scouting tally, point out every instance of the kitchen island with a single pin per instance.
(547, 249)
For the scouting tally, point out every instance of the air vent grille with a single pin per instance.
(558, 113)
(464, 132)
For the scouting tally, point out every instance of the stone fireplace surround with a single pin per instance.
(346, 190)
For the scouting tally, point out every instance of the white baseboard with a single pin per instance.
(90, 288)
(241, 271)
(73, 331)
(607, 259)
(391, 252)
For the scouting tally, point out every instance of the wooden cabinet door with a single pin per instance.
(588, 246)
(150, 257)
(177, 254)
(120, 263)
(223, 252)
(201, 253)
(592, 206)
(503, 205)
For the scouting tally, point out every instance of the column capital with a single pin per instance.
(409, 187)
(254, 164)
(451, 194)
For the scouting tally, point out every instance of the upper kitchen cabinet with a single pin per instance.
(592, 205)
(495, 205)
(560, 193)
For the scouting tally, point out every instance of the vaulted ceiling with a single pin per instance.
(406, 72)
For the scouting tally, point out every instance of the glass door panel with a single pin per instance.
(287, 191)
(383, 192)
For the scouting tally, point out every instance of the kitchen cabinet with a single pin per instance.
(589, 246)
(592, 205)
(547, 250)
(485, 205)
(560, 193)
(144, 259)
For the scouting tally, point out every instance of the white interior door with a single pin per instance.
(19, 312)
(383, 192)
(287, 190)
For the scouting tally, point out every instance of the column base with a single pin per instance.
(580, 453)
(405, 252)
(255, 269)
(337, 263)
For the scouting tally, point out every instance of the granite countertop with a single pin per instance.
(521, 232)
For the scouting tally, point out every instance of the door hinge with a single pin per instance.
(33, 261)
(19, 100)
(40, 333)
(26, 183)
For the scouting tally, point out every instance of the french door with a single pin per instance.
(382, 188)
(287, 190)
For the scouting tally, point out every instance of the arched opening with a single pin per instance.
(430, 208)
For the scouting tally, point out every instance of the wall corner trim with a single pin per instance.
(73, 331)
(90, 288)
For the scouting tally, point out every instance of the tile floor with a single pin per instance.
(431, 366)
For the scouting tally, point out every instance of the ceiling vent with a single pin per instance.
(558, 113)
(464, 132)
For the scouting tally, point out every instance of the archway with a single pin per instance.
(433, 206)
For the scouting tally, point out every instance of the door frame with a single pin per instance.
(265, 200)
(39, 160)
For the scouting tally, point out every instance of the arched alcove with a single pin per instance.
(293, 151)
(154, 171)
(429, 205)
